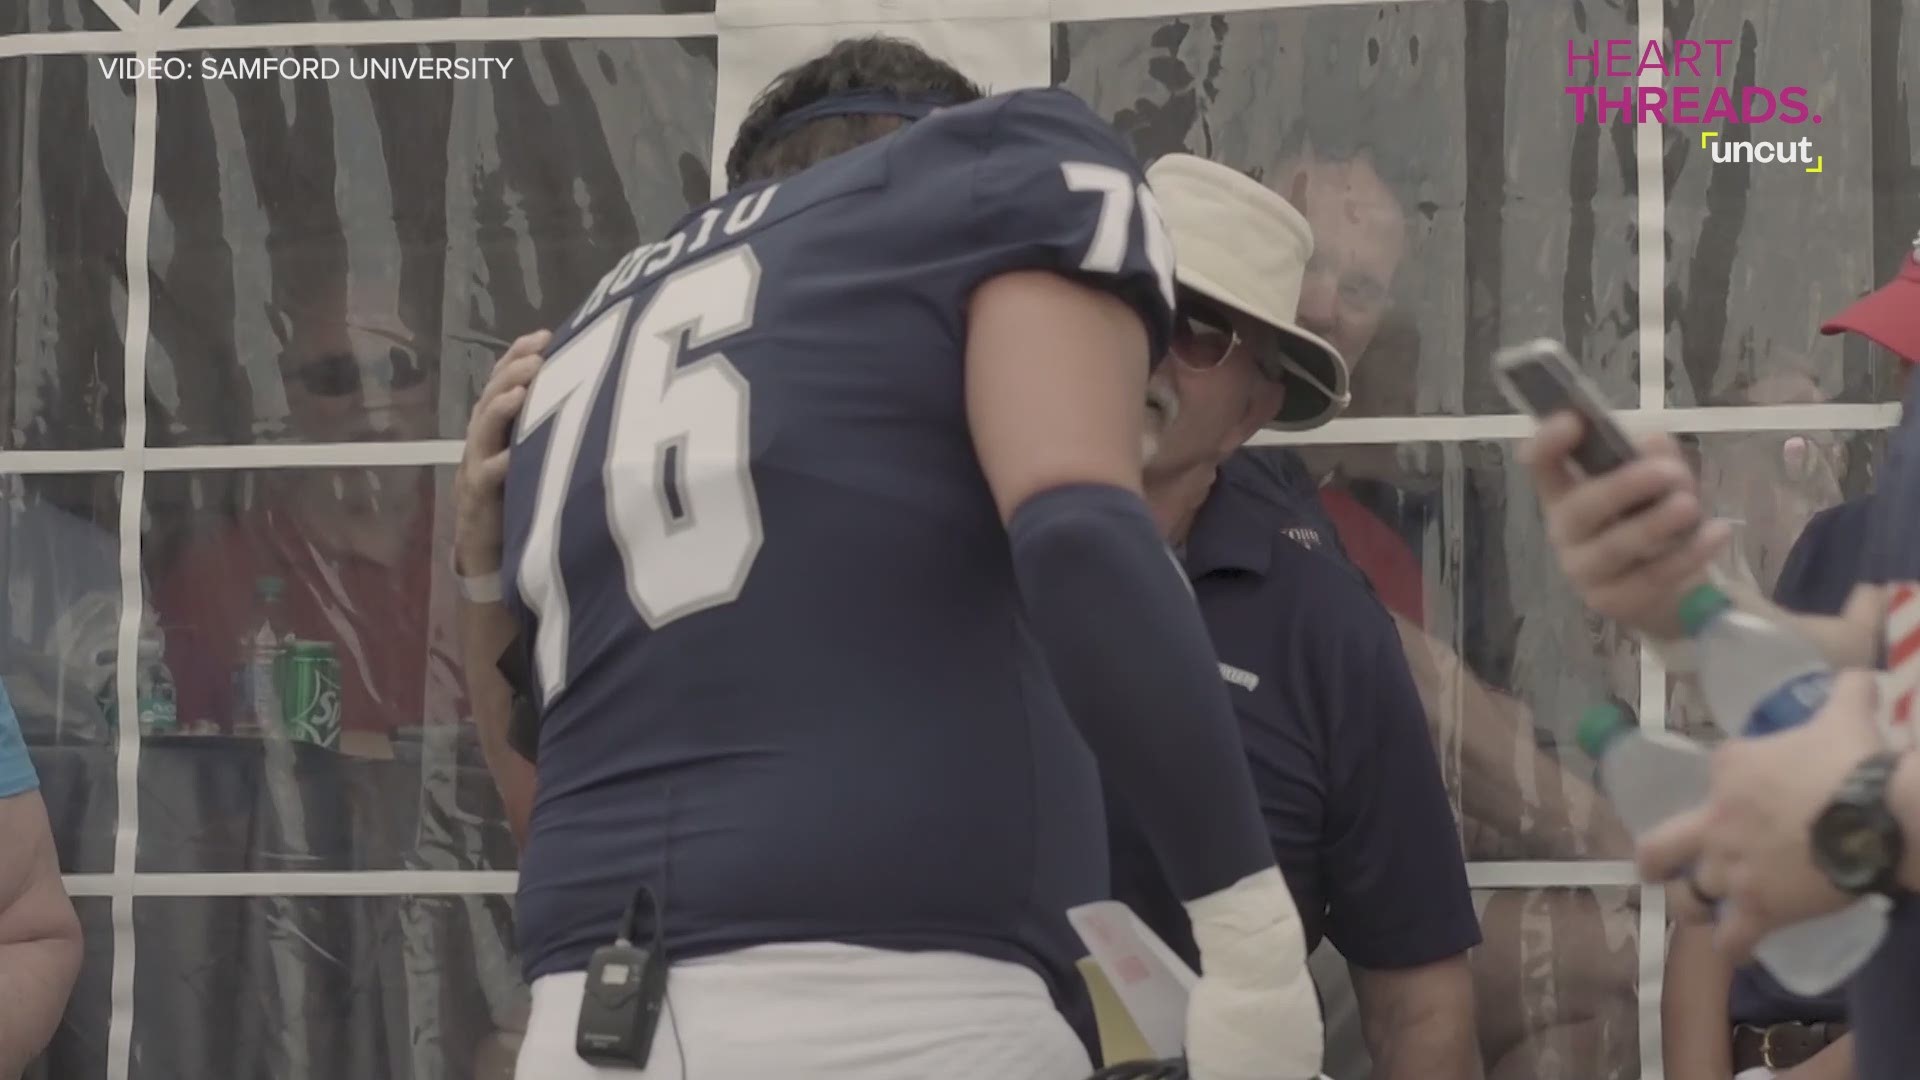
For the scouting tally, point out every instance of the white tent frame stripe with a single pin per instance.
(155, 29)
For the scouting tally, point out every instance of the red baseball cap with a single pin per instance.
(1889, 315)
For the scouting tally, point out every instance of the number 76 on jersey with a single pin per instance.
(681, 505)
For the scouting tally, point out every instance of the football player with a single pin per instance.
(823, 521)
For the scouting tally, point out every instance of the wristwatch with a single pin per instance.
(1857, 842)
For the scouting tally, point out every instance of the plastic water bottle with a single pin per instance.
(1757, 676)
(153, 694)
(1654, 776)
(86, 637)
(1651, 776)
(256, 698)
(1760, 678)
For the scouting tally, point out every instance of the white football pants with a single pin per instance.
(826, 1011)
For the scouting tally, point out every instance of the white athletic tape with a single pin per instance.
(1254, 1015)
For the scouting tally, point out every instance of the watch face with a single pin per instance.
(1852, 847)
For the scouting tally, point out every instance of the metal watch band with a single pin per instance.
(1865, 788)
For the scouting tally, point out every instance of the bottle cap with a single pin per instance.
(1599, 726)
(1701, 605)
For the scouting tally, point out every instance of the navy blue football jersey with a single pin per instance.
(784, 671)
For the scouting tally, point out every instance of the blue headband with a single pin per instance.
(854, 103)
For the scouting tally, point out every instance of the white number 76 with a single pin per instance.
(1107, 254)
(681, 506)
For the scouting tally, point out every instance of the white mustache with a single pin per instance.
(1163, 398)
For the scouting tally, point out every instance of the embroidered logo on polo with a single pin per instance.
(1304, 536)
(1245, 680)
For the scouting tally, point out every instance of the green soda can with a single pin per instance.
(310, 693)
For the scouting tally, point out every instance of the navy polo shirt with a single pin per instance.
(1827, 560)
(1334, 729)
(1819, 574)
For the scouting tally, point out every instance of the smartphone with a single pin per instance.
(1539, 377)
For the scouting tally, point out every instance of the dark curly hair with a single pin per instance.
(869, 63)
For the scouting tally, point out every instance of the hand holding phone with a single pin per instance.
(1540, 378)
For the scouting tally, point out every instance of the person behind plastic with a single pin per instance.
(39, 933)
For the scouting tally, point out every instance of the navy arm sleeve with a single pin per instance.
(1056, 189)
(1118, 625)
(1391, 865)
(1053, 188)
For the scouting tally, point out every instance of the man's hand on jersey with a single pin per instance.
(1631, 540)
(483, 466)
(1751, 845)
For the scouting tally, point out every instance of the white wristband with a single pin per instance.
(484, 589)
(479, 589)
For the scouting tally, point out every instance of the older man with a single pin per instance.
(39, 934)
(1355, 808)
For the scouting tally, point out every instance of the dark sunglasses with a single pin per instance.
(1204, 334)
